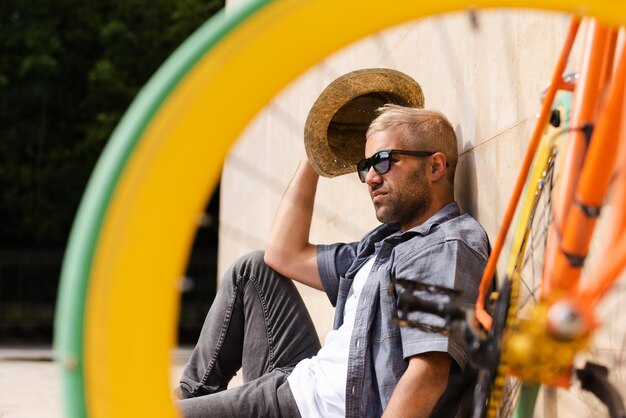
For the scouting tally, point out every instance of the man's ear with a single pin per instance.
(438, 166)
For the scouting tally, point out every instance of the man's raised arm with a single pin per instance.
(289, 251)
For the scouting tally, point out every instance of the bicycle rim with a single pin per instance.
(526, 258)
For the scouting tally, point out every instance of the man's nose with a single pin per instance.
(373, 177)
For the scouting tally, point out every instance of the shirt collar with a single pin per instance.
(449, 211)
(385, 231)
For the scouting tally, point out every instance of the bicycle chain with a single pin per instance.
(497, 390)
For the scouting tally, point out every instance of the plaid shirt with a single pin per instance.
(449, 249)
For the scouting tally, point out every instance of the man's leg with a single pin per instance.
(257, 322)
(266, 396)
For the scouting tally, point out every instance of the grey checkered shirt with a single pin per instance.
(450, 249)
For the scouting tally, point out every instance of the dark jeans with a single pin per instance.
(259, 323)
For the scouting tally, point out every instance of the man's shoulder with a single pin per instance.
(464, 222)
(468, 230)
(458, 229)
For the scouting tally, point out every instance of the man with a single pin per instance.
(368, 366)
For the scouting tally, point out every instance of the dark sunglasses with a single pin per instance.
(381, 161)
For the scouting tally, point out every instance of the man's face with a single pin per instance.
(402, 195)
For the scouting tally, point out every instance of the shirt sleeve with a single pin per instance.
(333, 261)
(451, 264)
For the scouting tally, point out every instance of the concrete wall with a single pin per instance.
(486, 79)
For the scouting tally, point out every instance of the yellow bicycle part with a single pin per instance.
(137, 219)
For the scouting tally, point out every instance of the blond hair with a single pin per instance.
(422, 130)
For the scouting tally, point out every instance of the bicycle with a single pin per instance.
(537, 343)
(114, 253)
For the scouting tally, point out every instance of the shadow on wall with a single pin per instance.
(465, 183)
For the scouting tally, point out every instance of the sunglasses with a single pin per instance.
(381, 161)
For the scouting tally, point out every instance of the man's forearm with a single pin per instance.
(289, 250)
(420, 387)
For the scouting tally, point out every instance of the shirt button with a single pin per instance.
(353, 389)
(358, 342)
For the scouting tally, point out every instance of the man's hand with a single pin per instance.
(420, 387)
(289, 251)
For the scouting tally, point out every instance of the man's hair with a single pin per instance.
(422, 130)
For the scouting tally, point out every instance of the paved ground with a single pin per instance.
(29, 382)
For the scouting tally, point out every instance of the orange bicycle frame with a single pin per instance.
(587, 173)
(557, 81)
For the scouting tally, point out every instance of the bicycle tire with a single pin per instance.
(529, 239)
(525, 263)
(99, 289)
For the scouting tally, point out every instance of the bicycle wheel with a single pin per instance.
(136, 222)
(524, 269)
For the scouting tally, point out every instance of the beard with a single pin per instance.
(406, 202)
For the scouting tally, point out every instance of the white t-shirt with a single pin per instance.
(318, 384)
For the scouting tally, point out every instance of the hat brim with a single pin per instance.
(334, 132)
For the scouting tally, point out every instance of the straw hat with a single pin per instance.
(334, 133)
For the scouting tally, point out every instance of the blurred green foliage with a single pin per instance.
(68, 71)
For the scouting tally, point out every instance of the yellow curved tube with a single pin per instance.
(133, 296)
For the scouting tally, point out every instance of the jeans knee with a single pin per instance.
(247, 266)
(250, 261)
(252, 266)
